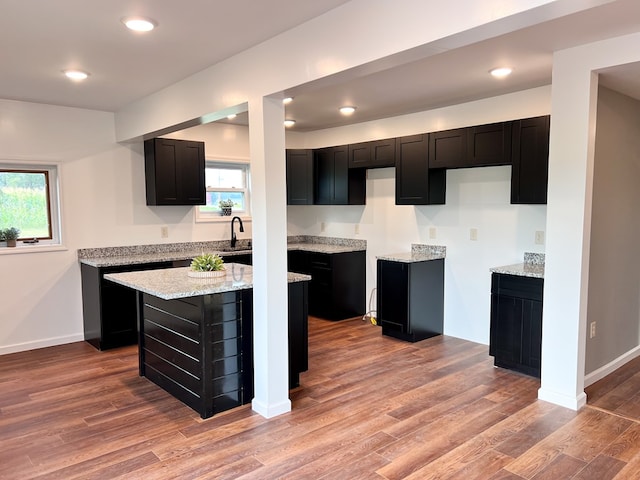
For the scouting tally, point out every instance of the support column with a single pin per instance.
(269, 216)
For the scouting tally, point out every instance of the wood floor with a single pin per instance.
(619, 392)
(369, 408)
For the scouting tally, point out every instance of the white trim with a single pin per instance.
(573, 403)
(611, 367)
(29, 248)
(48, 342)
(270, 411)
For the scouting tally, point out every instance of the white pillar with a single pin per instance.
(269, 215)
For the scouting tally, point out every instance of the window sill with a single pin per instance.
(32, 249)
(221, 219)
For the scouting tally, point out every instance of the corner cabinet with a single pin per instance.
(299, 177)
(174, 172)
(516, 323)
(416, 184)
(410, 298)
(334, 182)
(530, 157)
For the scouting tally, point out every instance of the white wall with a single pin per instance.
(103, 204)
(476, 198)
(614, 266)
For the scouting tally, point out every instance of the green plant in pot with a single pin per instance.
(207, 265)
(225, 206)
(11, 236)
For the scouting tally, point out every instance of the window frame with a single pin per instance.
(236, 163)
(52, 176)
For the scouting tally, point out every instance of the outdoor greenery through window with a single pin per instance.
(225, 181)
(26, 202)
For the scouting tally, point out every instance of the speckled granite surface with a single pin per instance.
(419, 253)
(533, 266)
(170, 283)
(168, 252)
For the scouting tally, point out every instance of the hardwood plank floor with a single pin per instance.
(369, 407)
(618, 392)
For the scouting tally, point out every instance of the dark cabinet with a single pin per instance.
(516, 323)
(334, 182)
(477, 146)
(174, 172)
(448, 148)
(299, 177)
(375, 154)
(530, 158)
(338, 282)
(410, 299)
(108, 309)
(416, 184)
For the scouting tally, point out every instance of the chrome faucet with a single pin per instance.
(233, 234)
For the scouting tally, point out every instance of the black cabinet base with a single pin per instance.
(407, 337)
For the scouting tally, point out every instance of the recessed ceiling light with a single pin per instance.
(139, 24)
(501, 72)
(289, 123)
(232, 116)
(347, 110)
(75, 74)
(287, 100)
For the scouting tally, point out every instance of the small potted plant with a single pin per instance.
(11, 235)
(207, 265)
(225, 206)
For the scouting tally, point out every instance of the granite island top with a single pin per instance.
(141, 254)
(533, 266)
(171, 283)
(419, 253)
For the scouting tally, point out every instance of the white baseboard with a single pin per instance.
(47, 342)
(571, 402)
(611, 367)
(272, 410)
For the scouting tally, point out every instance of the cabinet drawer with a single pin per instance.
(528, 288)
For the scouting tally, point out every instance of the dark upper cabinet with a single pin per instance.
(477, 146)
(530, 158)
(489, 145)
(334, 182)
(174, 172)
(448, 148)
(415, 183)
(375, 154)
(299, 177)
(516, 322)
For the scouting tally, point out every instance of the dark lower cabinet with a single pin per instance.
(410, 299)
(516, 323)
(200, 349)
(337, 289)
(108, 309)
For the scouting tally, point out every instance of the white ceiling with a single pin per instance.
(48, 36)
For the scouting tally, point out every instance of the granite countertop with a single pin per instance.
(418, 253)
(533, 266)
(140, 254)
(171, 283)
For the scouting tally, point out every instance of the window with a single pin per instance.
(225, 181)
(29, 201)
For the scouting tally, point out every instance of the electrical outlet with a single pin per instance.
(473, 234)
(432, 232)
(592, 329)
(164, 232)
(356, 229)
(539, 237)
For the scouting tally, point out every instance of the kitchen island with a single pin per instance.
(195, 335)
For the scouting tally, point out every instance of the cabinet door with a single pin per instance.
(506, 329)
(299, 177)
(530, 158)
(360, 155)
(190, 173)
(333, 180)
(393, 295)
(532, 336)
(415, 183)
(323, 179)
(489, 145)
(448, 149)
